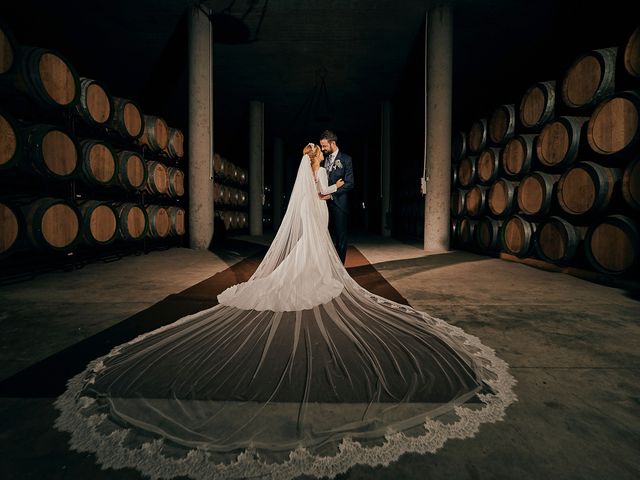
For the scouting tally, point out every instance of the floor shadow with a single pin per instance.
(48, 377)
(433, 262)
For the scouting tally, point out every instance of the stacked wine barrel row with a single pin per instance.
(54, 224)
(117, 146)
(230, 198)
(51, 152)
(559, 176)
(227, 172)
(233, 219)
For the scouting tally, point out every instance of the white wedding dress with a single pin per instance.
(297, 371)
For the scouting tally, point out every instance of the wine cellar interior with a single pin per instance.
(148, 152)
(555, 176)
(82, 170)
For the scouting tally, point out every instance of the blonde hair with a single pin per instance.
(314, 153)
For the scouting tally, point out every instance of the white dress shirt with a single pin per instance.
(328, 163)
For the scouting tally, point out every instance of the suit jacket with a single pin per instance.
(343, 170)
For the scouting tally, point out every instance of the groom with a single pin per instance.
(338, 166)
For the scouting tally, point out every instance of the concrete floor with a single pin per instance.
(572, 346)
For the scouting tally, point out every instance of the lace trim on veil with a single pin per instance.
(304, 227)
(111, 451)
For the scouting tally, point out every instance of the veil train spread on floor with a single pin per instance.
(299, 370)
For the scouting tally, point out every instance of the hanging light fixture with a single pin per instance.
(316, 109)
(231, 29)
(322, 107)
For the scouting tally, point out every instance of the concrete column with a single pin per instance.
(385, 170)
(278, 181)
(438, 50)
(200, 129)
(256, 166)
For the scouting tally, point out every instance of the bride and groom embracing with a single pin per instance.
(299, 370)
(334, 179)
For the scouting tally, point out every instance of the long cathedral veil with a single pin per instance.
(297, 371)
(301, 269)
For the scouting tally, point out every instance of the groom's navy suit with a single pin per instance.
(339, 204)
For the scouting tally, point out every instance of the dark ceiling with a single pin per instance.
(367, 50)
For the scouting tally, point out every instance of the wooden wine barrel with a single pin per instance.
(175, 144)
(557, 240)
(476, 201)
(176, 182)
(631, 183)
(157, 178)
(501, 198)
(518, 156)
(590, 79)
(458, 199)
(95, 106)
(11, 228)
(228, 195)
(613, 245)
(127, 119)
(502, 124)
(8, 47)
(517, 236)
(488, 167)
(51, 151)
(236, 197)
(218, 193)
(10, 141)
(232, 172)
(243, 177)
(176, 220)
(45, 76)
(537, 105)
(536, 193)
(159, 222)
(467, 230)
(614, 126)
(558, 144)
(454, 232)
(227, 169)
(156, 133)
(454, 176)
(217, 164)
(52, 224)
(99, 164)
(467, 171)
(487, 234)
(244, 198)
(132, 170)
(244, 220)
(632, 54)
(229, 219)
(458, 147)
(240, 218)
(477, 136)
(587, 188)
(99, 222)
(133, 221)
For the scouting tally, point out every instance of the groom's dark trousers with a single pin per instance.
(339, 205)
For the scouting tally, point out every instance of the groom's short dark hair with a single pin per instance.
(329, 135)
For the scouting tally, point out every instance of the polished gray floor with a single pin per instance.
(573, 347)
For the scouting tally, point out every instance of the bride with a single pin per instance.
(297, 371)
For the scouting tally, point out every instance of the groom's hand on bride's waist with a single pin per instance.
(324, 197)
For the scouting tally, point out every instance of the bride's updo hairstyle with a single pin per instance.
(313, 151)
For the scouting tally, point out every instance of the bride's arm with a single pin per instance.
(323, 179)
